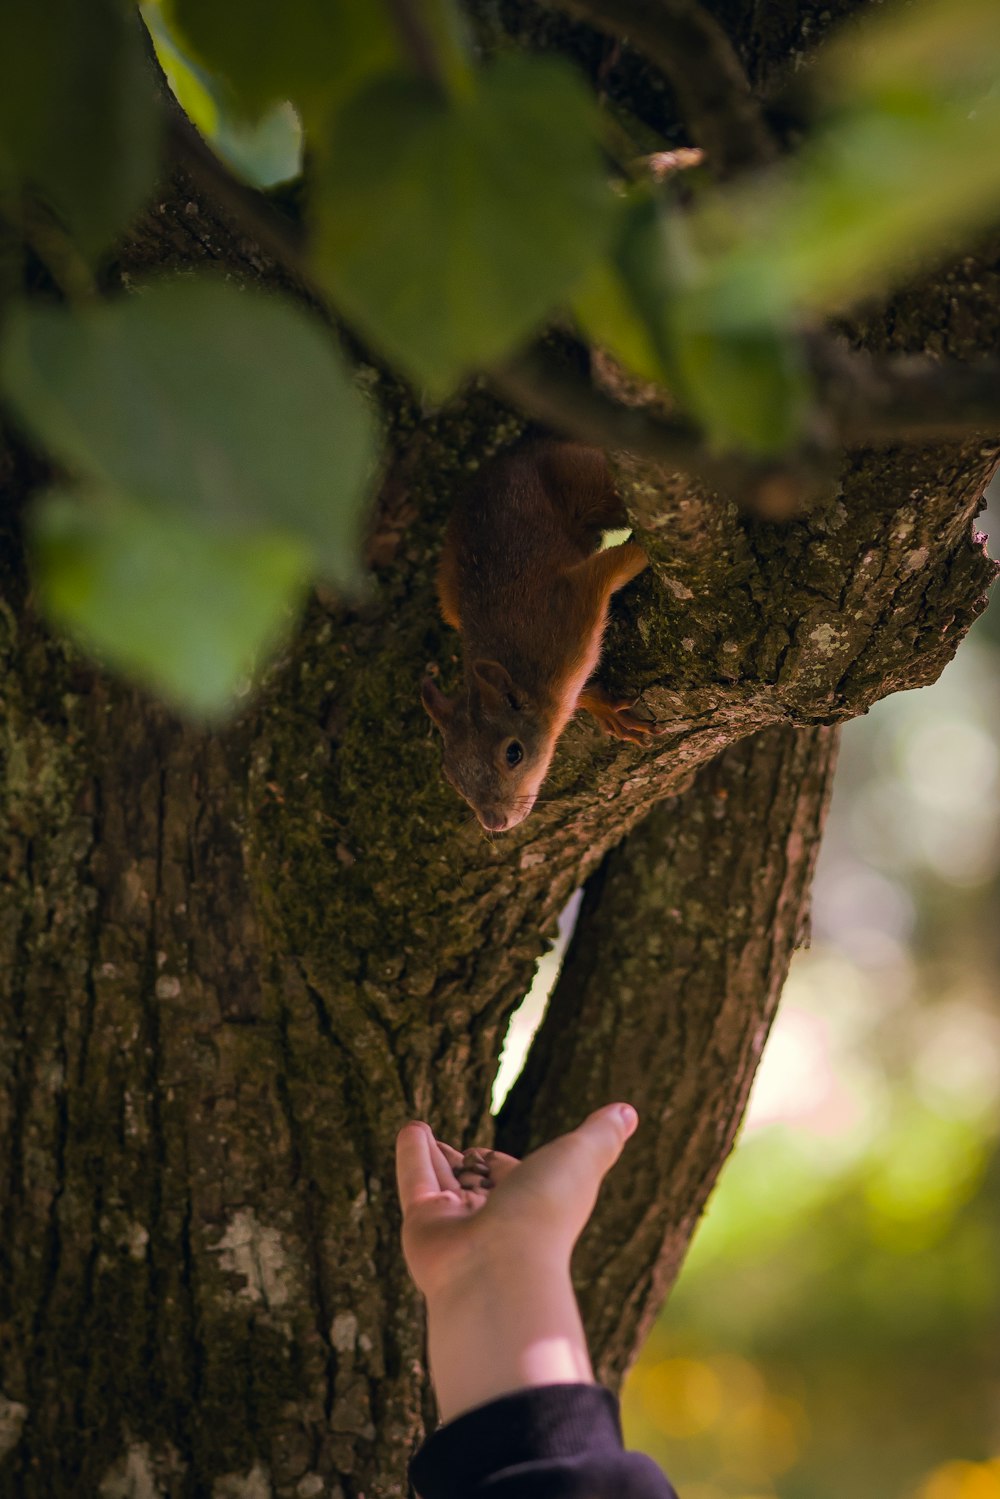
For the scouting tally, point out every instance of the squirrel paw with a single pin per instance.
(618, 720)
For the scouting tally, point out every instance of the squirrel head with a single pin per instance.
(497, 744)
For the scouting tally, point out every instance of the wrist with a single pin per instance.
(498, 1276)
(505, 1326)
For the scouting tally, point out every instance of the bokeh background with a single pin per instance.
(836, 1329)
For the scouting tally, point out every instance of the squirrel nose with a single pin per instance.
(493, 822)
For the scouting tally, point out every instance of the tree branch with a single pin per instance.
(546, 389)
(695, 54)
(417, 41)
(906, 399)
(861, 402)
(275, 234)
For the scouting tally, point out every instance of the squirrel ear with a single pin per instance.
(439, 707)
(496, 684)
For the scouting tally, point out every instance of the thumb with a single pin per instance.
(603, 1133)
(565, 1176)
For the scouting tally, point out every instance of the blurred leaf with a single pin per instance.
(11, 258)
(907, 159)
(263, 152)
(163, 598)
(78, 112)
(871, 197)
(449, 229)
(749, 390)
(622, 302)
(906, 163)
(604, 310)
(444, 25)
(746, 387)
(211, 402)
(939, 45)
(310, 51)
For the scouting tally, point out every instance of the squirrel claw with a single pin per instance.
(619, 721)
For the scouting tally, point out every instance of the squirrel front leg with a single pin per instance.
(616, 716)
(606, 572)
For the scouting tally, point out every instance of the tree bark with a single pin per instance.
(666, 996)
(231, 966)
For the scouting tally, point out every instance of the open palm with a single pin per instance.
(456, 1223)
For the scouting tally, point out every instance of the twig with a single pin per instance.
(417, 41)
(907, 399)
(773, 489)
(56, 250)
(569, 402)
(274, 233)
(860, 402)
(695, 54)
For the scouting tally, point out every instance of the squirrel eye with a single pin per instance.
(515, 754)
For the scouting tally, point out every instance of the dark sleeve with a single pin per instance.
(560, 1441)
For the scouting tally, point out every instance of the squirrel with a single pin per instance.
(523, 582)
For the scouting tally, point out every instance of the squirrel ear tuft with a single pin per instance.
(439, 707)
(496, 684)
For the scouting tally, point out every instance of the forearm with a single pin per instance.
(509, 1328)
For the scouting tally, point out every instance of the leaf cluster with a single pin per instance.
(216, 450)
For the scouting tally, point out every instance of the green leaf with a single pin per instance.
(749, 390)
(935, 46)
(879, 190)
(448, 230)
(314, 52)
(622, 302)
(745, 385)
(265, 151)
(906, 161)
(216, 403)
(604, 309)
(162, 598)
(79, 120)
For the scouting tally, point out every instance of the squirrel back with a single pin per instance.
(522, 580)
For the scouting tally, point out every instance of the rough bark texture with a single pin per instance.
(231, 966)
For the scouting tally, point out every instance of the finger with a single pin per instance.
(603, 1133)
(498, 1164)
(474, 1183)
(448, 1158)
(474, 1172)
(495, 1167)
(416, 1176)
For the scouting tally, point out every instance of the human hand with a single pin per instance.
(459, 1218)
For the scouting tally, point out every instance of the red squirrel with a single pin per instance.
(522, 580)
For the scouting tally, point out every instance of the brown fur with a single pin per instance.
(521, 580)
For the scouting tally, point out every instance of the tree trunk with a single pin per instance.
(231, 966)
(666, 996)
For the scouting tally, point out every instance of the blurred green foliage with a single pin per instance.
(78, 117)
(165, 597)
(217, 436)
(429, 232)
(265, 150)
(453, 209)
(835, 1328)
